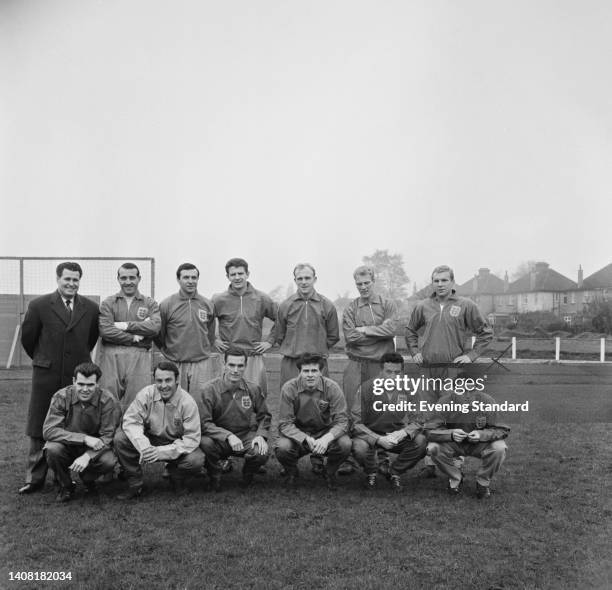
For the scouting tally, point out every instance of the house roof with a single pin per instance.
(484, 283)
(599, 280)
(542, 278)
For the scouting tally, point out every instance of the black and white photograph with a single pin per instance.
(306, 295)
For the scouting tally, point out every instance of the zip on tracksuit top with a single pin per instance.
(224, 412)
(241, 316)
(187, 328)
(312, 413)
(143, 319)
(379, 316)
(446, 328)
(307, 325)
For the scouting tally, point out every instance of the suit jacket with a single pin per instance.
(56, 343)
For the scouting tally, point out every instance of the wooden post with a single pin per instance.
(557, 348)
(513, 348)
(9, 362)
(602, 350)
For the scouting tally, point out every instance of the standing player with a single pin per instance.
(58, 333)
(240, 311)
(187, 332)
(447, 319)
(369, 324)
(128, 323)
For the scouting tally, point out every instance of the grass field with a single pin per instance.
(546, 526)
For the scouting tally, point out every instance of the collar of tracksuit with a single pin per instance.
(137, 296)
(451, 297)
(376, 298)
(74, 397)
(232, 291)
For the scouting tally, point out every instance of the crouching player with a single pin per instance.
(79, 430)
(235, 420)
(161, 424)
(381, 420)
(312, 419)
(465, 427)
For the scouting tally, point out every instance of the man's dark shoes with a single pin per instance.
(384, 468)
(482, 492)
(370, 483)
(91, 489)
(318, 468)
(346, 469)
(132, 493)
(64, 495)
(226, 465)
(456, 491)
(332, 481)
(215, 482)
(427, 472)
(396, 483)
(29, 488)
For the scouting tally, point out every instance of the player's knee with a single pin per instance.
(344, 444)
(54, 450)
(207, 445)
(107, 462)
(433, 449)
(284, 448)
(420, 440)
(498, 449)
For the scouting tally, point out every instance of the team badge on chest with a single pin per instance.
(402, 398)
(323, 405)
(454, 311)
(245, 402)
(141, 313)
(203, 315)
(481, 421)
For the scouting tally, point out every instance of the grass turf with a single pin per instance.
(546, 525)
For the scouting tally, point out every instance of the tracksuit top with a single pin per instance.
(369, 423)
(307, 325)
(241, 316)
(224, 412)
(440, 426)
(313, 413)
(143, 319)
(187, 328)
(444, 338)
(379, 316)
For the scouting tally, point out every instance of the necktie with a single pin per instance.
(68, 302)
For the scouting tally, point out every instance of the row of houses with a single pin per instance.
(541, 289)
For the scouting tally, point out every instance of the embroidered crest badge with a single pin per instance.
(245, 402)
(481, 421)
(455, 310)
(402, 398)
(141, 313)
(323, 405)
(203, 315)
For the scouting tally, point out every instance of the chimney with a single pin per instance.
(580, 276)
(483, 272)
(541, 266)
(506, 282)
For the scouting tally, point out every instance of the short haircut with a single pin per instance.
(236, 352)
(167, 366)
(87, 370)
(364, 270)
(71, 266)
(392, 357)
(237, 262)
(129, 266)
(309, 358)
(302, 266)
(186, 266)
(443, 268)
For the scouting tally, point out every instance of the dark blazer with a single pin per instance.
(56, 345)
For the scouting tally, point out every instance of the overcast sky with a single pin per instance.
(471, 133)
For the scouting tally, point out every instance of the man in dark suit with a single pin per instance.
(58, 333)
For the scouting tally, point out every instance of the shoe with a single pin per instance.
(384, 468)
(261, 470)
(226, 465)
(132, 493)
(371, 481)
(396, 483)
(346, 469)
(457, 490)
(283, 472)
(91, 489)
(64, 495)
(482, 492)
(332, 481)
(318, 468)
(30, 488)
(178, 487)
(215, 482)
(247, 479)
(428, 472)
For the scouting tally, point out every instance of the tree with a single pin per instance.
(276, 294)
(600, 313)
(391, 278)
